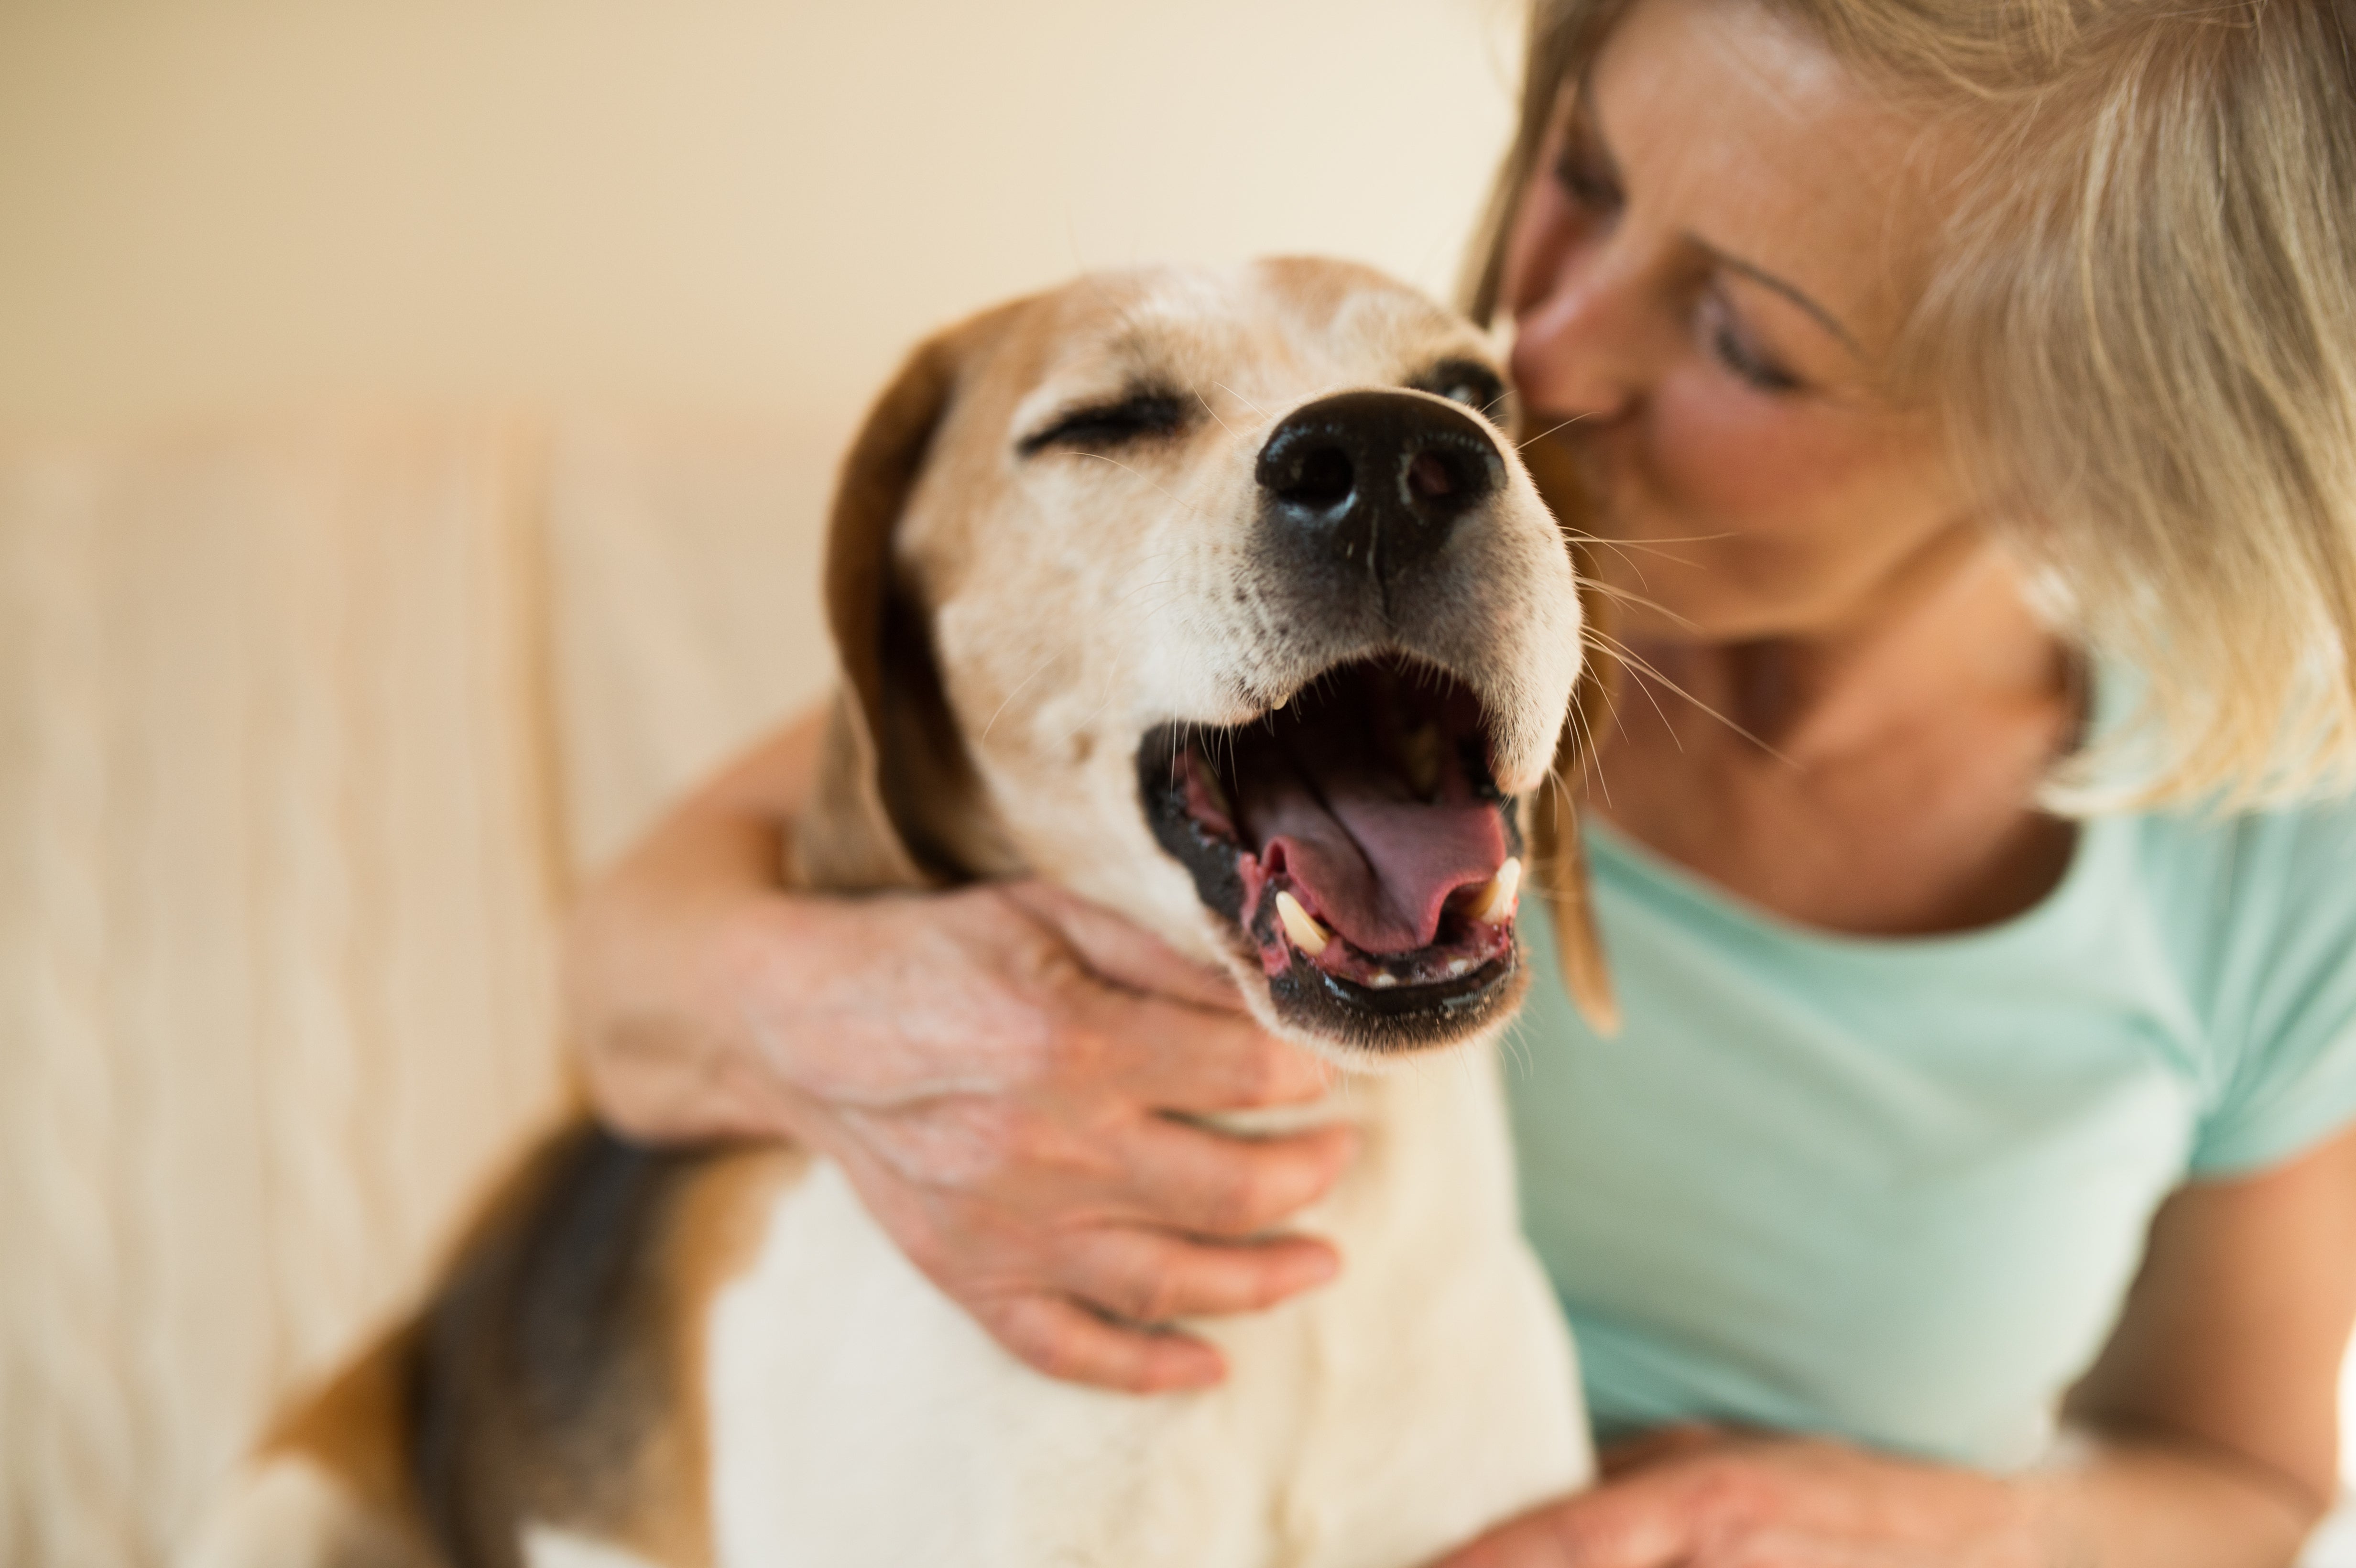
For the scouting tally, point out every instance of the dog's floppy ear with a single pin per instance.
(894, 777)
(1561, 860)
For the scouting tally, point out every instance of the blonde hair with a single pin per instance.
(2141, 329)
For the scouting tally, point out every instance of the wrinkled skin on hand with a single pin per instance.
(1700, 1497)
(1006, 1081)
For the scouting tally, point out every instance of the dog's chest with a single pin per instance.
(858, 1416)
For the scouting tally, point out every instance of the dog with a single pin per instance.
(1221, 598)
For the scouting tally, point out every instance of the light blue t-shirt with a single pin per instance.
(1895, 1190)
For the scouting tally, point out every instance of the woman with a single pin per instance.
(1966, 391)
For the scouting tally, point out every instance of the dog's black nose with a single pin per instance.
(1376, 479)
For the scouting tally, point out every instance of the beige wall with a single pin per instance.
(718, 202)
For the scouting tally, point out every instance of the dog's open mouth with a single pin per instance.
(1357, 841)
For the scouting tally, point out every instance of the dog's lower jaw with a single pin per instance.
(1429, 1393)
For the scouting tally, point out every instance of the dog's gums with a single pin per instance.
(1356, 842)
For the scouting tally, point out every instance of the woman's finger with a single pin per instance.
(1177, 1058)
(1150, 1277)
(1662, 1443)
(1065, 1341)
(1648, 1522)
(1121, 953)
(1181, 1177)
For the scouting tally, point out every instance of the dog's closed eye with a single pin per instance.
(1135, 416)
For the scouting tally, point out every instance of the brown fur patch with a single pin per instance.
(895, 774)
(714, 1233)
(355, 1427)
(557, 1375)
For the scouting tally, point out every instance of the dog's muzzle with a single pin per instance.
(1353, 833)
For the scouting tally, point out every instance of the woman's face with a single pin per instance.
(1707, 275)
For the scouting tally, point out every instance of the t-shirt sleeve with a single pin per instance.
(2283, 1011)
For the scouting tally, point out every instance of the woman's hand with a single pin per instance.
(1004, 1084)
(1695, 1497)
(1003, 1073)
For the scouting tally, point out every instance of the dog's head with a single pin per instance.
(1223, 599)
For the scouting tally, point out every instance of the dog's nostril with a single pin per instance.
(1431, 477)
(1322, 477)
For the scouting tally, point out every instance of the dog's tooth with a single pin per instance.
(1420, 756)
(1212, 791)
(1300, 925)
(1384, 980)
(1502, 896)
(1459, 966)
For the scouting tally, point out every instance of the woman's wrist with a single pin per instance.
(2145, 1503)
(667, 962)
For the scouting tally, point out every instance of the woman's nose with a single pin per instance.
(1590, 340)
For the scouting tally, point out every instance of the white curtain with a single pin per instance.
(304, 732)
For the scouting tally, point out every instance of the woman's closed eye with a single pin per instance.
(1732, 344)
(1588, 182)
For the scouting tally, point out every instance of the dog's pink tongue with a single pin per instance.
(1377, 869)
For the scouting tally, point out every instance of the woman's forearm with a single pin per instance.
(2212, 1416)
(1699, 1497)
(2137, 1501)
(667, 949)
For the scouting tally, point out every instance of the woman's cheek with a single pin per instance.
(1721, 454)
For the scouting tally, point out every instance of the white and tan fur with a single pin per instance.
(833, 1407)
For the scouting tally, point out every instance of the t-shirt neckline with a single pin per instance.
(1615, 852)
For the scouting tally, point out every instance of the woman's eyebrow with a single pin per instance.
(1586, 119)
(1768, 281)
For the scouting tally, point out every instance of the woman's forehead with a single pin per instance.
(1744, 131)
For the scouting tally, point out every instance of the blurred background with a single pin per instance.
(719, 201)
(414, 421)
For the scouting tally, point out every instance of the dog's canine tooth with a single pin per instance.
(1502, 896)
(1300, 925)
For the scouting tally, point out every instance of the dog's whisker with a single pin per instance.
(1585, 731)
(1010, 695)
(1524, 445)
(1627, 552)
(1166, 492)
(1650, 676)
(1644, 601)
(1642, 544)
(1214, 414)
(1145, 587)
(1241, 398)
(1658, 555)
(1513, 1054)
